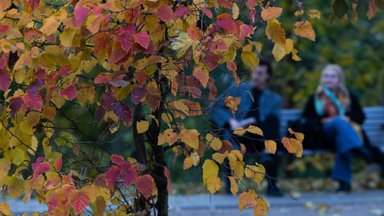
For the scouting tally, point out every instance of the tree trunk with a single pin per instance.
(161, 181)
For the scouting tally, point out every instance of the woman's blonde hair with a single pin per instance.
(337, 69)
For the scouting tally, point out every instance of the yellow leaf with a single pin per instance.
(314, 14)
(271, 13)
(168, 136)
(288, 46)
(214, 142)
(232, 103)
(295, 57)
(293, 146)
(18, 156)
(213, 184)
(219, 158)
(261, 208)
(67, 36)
(255, 172)
(50, 25)
(236, 165)
(187, 163)
(247, 199)
(278, 52)
(257, 45)
(181, 44)
(235, 11)
(195, 158)
(5, 209)
(142, 126)
(255, 130)
(190, 137)
(234, 186)
(275, 32)
(304, 29)
(210, 169)
(270, 146)
(250, 59)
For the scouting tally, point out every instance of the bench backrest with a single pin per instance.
(373, 125)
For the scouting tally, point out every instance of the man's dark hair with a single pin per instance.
(269, 66)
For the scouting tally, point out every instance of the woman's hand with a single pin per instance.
(234, 124)
(244, 123)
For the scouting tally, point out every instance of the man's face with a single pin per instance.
(260, 77)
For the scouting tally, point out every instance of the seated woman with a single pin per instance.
(340, 116)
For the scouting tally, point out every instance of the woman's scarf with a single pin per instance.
(324, 93)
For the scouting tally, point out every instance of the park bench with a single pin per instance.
(373, 125)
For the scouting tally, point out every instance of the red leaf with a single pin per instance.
(117, 159)
(165, 13)
(142, 38)
(81, 13)
(111, 176)
(69, 93)
(4, 29)
(251, 15)
(33, 101)
(31, 34)
(102, 78)
(168, 175)
(40, 168)
(118, 54)
(123, 112)
(225, 21)
(137, 94)
(181, 10)
(79, 201)
(251, 3)
(202, 75)
(246, 30)
(33, 4)
(128, 173)
(107, 100)
(125, 37)
(208, 13)
(145, 185)
(5, 80)
(15, 105)
(58, 163)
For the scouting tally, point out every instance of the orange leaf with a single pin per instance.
(304, 29)
(247, 199)
(145, 185)
(275, 32)
(202, 75)
(270, 146)
(232, 102)
(271, 13)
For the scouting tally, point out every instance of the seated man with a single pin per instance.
(260, 107)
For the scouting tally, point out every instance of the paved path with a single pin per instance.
(308, 204)
(369, 203)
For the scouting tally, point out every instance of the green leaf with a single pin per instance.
(340, 8)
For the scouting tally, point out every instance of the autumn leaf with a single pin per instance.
(261, 208)
(5, 80)
(278, 51)
(128, 173)
(304, 29)
(232, 103)
(270, 146)
(250, 59)
(219, 157)
(210, 176)
(190, 137)
(275, 32)
(235, 11)
(255, 130)
(271, 13)
(145, 185)
(202, 75)
(142, 126)
(5, 209)
(79, 201)
(214, 142)
(293, 146)
(234, 187)
(165, 13)
(255, 172)
(247, 199)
